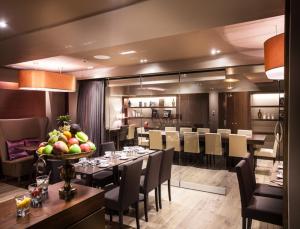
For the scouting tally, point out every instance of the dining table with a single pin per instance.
(110, 161)
(276, 177)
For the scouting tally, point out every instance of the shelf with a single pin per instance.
(266, 106)
(263, 132)
(265, 120)
(153, 107)
(148, 118)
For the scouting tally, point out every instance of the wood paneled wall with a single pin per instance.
(21, 104)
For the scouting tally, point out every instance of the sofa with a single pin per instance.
(18, 129)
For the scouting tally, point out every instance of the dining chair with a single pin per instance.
(203, 130)
(260, 208)
(173, 140)
(150, 180)
(224, 132)
(123, 135)
(127, 194)
(131, 134)
(248, 133)
(142, 141)
(267, 154)
(165, 172)
(213, 146)
(237, 145)
(107, 146)
(191, 142)
(261, 189)
(182, 130)
(170, 128)
(155, 138)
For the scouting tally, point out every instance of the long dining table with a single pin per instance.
(94, 165)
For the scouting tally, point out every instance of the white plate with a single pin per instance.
(103, 165)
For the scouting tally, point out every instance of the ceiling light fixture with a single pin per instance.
(215, 51)
(102, 57)
(3, 24)
(231, 80)
(274, 57)
(128, 52)
(46, 81)
(90, 67)
(142, 61)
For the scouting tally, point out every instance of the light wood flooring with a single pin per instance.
(191, 209)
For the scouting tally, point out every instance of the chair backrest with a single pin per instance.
(123, 133)
(182, 130)
(203, 130)
(155, 139)
(152, 171)
(250, 163)
(107, 146)
(191, 142)
(173, 140)
(140, 130)
(131, 130)
(237, 145)
(248, 133)
(245, 184)
(224, 132)
(213, 144)
(170, 128)
(130, 183)
(166, 165)
(275, 146)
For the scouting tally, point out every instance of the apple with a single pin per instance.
(60, 147)
(43, 144)
(73, 141)
(48, 149)
(75, 149)
(41, 149)
(92, 146)
(85, 147)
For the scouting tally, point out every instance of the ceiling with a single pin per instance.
(158, 31)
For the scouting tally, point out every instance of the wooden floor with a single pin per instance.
(194, 209)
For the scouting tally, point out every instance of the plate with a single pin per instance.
(103, 165)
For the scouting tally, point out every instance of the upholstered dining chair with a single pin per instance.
(182, 130)
(131, 134)
(267, 154)
(237, 145)
(142, 141)
(261, 189)
(260, 208)
(203, 130)
(127, 194)
(247, 133)
(170, 128)
(224, 132)
(191, 142)
(155, 138)
(150, 180)
(173, 140)
(213, 146)
(165, 172)
(107, 146)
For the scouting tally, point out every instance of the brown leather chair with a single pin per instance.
(165, 172)
(120, 198)
(261, 189)
(260, 208)
(150, 180)
(17, 129)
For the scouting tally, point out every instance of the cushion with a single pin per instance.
(32, 142)
(12, 150)
(264, 152)
(112, 199)
(268, 191)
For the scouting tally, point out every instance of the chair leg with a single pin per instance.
(120, 219)
(146, 206)
(159, 196)
(249, 223)
(110, 216)
(169, 189)
(156, 198)
(137, 215)
(214, 158)
(244, 223)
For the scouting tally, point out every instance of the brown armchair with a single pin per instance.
(17, 129)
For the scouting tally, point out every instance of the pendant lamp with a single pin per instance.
(274, 57)
(46, 81)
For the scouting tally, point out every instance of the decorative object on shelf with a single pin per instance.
(129, 103)
(146, 125)
(155, 113)
(152, 104)
(259, 114)
(145, 104)
(167, 114)
(281, 101)
(173, 103)
(140, 104)
(281, 114)
(272, 116)
(274, 57)
(66, 146)
(264, 116)
(161, 102)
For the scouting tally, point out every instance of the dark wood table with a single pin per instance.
(86, 209)
(89, 170)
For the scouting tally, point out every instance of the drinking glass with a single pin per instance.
(43, 182)
(36, 195)
(23, 205)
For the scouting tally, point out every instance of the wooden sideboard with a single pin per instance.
(85, 210)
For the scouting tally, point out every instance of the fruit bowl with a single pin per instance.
(67, 156)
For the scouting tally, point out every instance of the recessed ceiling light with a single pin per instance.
(215, 51)
(3, 24)
(143, 61)
(102, 57)
(231, 80)
(128, 52)
(90, 67)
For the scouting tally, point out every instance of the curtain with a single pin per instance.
(90, 109)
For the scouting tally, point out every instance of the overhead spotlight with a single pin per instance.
(3, 24)
(128, 52)
(102, 57)
(215, 51)
(142, 61)
(90, 67)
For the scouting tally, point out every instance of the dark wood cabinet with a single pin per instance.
(234, 111)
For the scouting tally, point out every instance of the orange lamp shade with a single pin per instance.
(274, 57)
(46, 81)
